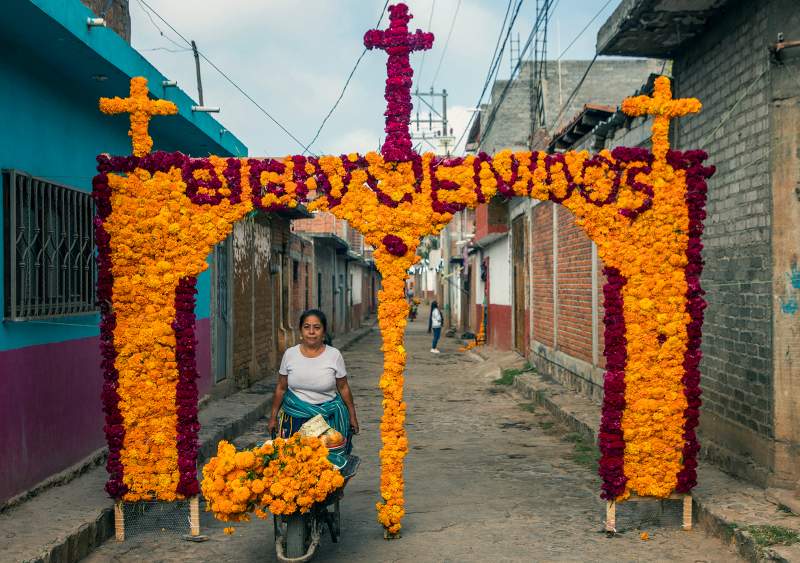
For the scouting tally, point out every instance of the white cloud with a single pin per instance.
(293, 58)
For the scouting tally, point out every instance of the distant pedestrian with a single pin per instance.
(435, 325)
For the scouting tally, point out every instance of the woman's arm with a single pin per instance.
(277, 400)
(344, 390)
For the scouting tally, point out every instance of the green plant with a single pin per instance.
(508, 375)
(530, 407)
(767, 535)
(585, 452)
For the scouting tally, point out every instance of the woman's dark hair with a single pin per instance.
(322, 319)
(434, 305)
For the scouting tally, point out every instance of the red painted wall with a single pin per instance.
(499, 333)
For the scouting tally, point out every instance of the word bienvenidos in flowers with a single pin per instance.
(160, 214)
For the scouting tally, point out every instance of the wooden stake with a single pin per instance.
(119, 521)
(194, 515)
(687, 512)
(611, 516)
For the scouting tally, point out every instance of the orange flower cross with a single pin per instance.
(141, 108)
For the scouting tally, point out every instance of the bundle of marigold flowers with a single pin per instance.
(281, 476)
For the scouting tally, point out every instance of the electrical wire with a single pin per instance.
(228, 78)
(583, 30)
(424, 53)
(344, 88)
(160, 31)
(446, 43)
(574, 92)
(494, 66)
(504, 93)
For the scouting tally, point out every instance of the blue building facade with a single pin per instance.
(54, 68)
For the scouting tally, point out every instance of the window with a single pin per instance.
(319, 290)
(295, 271)
(48, 249)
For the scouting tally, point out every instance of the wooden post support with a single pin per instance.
(611, 516)
(687, 512)
(119, 521)
(194, 515)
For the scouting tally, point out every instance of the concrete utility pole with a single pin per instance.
(444, 136)
(197, 68)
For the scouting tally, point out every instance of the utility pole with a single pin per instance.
(197, 68)
(428, 134)
(538, 73)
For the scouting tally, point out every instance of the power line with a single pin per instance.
(344, 88)
(585, 74)
(574, 91)
(229, 79)
(446, 43)
(583, 30)
(430, 23)
(494, 65)
(160, 31)
(167, 49)
(504, 93)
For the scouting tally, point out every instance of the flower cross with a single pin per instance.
(398, 43)
(664, 108)
(141, 108)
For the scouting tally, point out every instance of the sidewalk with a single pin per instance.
(65, 523)
(723, 506)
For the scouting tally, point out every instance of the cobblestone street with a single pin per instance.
(488, 478)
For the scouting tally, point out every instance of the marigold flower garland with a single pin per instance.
(159, 215)
(280, 476)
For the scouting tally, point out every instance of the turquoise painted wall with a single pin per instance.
(51, 128)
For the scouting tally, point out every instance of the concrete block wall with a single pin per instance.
(727, 69)
(608, 83)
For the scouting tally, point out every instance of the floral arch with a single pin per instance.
(160, 214)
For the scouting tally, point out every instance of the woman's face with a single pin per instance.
(312, 331)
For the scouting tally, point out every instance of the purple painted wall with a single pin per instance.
(50, 414)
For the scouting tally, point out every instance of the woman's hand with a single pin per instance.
(272, 426)
(354, 424)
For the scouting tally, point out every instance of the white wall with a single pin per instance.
(357, 274)
(499, 272)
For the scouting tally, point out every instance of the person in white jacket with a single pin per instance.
(435, 325)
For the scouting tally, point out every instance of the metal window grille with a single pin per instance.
(50, 268)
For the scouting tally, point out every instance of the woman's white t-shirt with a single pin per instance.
(313, 379)
(436, 319)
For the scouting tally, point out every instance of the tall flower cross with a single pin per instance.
(663, 108)
(398, 43)
(141, 108)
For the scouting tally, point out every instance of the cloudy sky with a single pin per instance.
(293, 57)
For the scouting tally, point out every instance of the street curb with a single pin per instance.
(553, 396)
(89, 535)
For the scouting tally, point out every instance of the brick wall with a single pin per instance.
(253, 301)
(722, 69)
(116, 13)
(574, 288)
(543, 274)
(322, 222)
